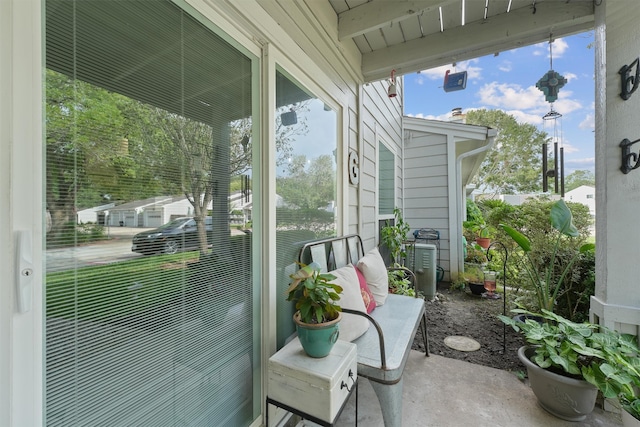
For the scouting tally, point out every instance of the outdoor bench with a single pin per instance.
(383, 350)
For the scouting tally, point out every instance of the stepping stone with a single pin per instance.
(461, 343)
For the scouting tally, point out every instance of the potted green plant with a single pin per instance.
(483, 236)
(618, 377)
(399, 282)
(569, 358)
(475, 254)
(547, 283)
(480, 231)
(394, 237)
(317, 314)
(474, 278)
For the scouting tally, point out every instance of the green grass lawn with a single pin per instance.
(118, 289)
(122, 289)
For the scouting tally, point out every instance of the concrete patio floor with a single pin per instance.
(444, 392)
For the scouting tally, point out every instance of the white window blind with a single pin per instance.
(306, 142)
(151, 309)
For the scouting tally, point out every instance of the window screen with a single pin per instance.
(150, 300)
(305, 167)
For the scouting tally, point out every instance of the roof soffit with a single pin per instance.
(406, 36)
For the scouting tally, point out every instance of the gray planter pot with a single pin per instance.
(566, 398)
(628, 420)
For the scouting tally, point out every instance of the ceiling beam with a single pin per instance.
(499, 33)
(380, 13)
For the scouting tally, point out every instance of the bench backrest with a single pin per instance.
(333, 252)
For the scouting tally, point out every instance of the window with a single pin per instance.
(589, 196)
(386, 180)
(306, 192)
(148, 120)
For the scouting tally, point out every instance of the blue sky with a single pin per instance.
(508, 82)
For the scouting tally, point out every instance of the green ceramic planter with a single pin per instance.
(317, 339)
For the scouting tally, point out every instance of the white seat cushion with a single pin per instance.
(375, 271)
(351, 325)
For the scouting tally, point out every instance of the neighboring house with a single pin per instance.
(149, 213)
(94, 215)
(440, 160)
(584, 194)
(151, 347)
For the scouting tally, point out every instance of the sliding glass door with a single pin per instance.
(151, 305)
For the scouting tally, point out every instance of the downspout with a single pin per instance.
(455, 241)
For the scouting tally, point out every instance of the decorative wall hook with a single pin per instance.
(628, 157)
(629, 82)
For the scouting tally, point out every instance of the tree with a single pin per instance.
(103, 145)
(307, 191)
(514, 163)
(578, 178)
(310, 184)
(85, 130)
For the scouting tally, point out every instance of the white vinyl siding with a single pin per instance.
(426, 187)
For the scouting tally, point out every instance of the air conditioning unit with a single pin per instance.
(425, 269)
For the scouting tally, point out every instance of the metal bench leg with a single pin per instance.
(425, 334)
(390, 398)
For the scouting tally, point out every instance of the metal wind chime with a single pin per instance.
(550, 85)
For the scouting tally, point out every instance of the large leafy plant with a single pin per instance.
(546, 281)
(314, 294)
(603, 357)
(579, 349)
(619, 376)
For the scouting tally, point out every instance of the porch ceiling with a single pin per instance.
(409, 36)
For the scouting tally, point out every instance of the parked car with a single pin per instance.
(181, 234)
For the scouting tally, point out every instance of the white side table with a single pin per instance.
(315, 389)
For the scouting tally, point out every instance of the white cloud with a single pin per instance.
(473, 73)
(585, 161)
(524, 117)
(570, 77)
(565, 105)
(441, 117)
(589, 122)
(510, 96)
(570, 166)
(505, 66)
(568, 148)
(558, 48)
(419, 79)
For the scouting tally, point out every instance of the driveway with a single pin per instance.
(117, 248)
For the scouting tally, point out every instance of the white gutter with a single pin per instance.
(455, 241)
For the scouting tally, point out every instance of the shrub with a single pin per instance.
(551, 251)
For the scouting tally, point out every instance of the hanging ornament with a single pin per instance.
(550, 84)
(557, 173)
(552, 81)
(392, 91)
(455, 81)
